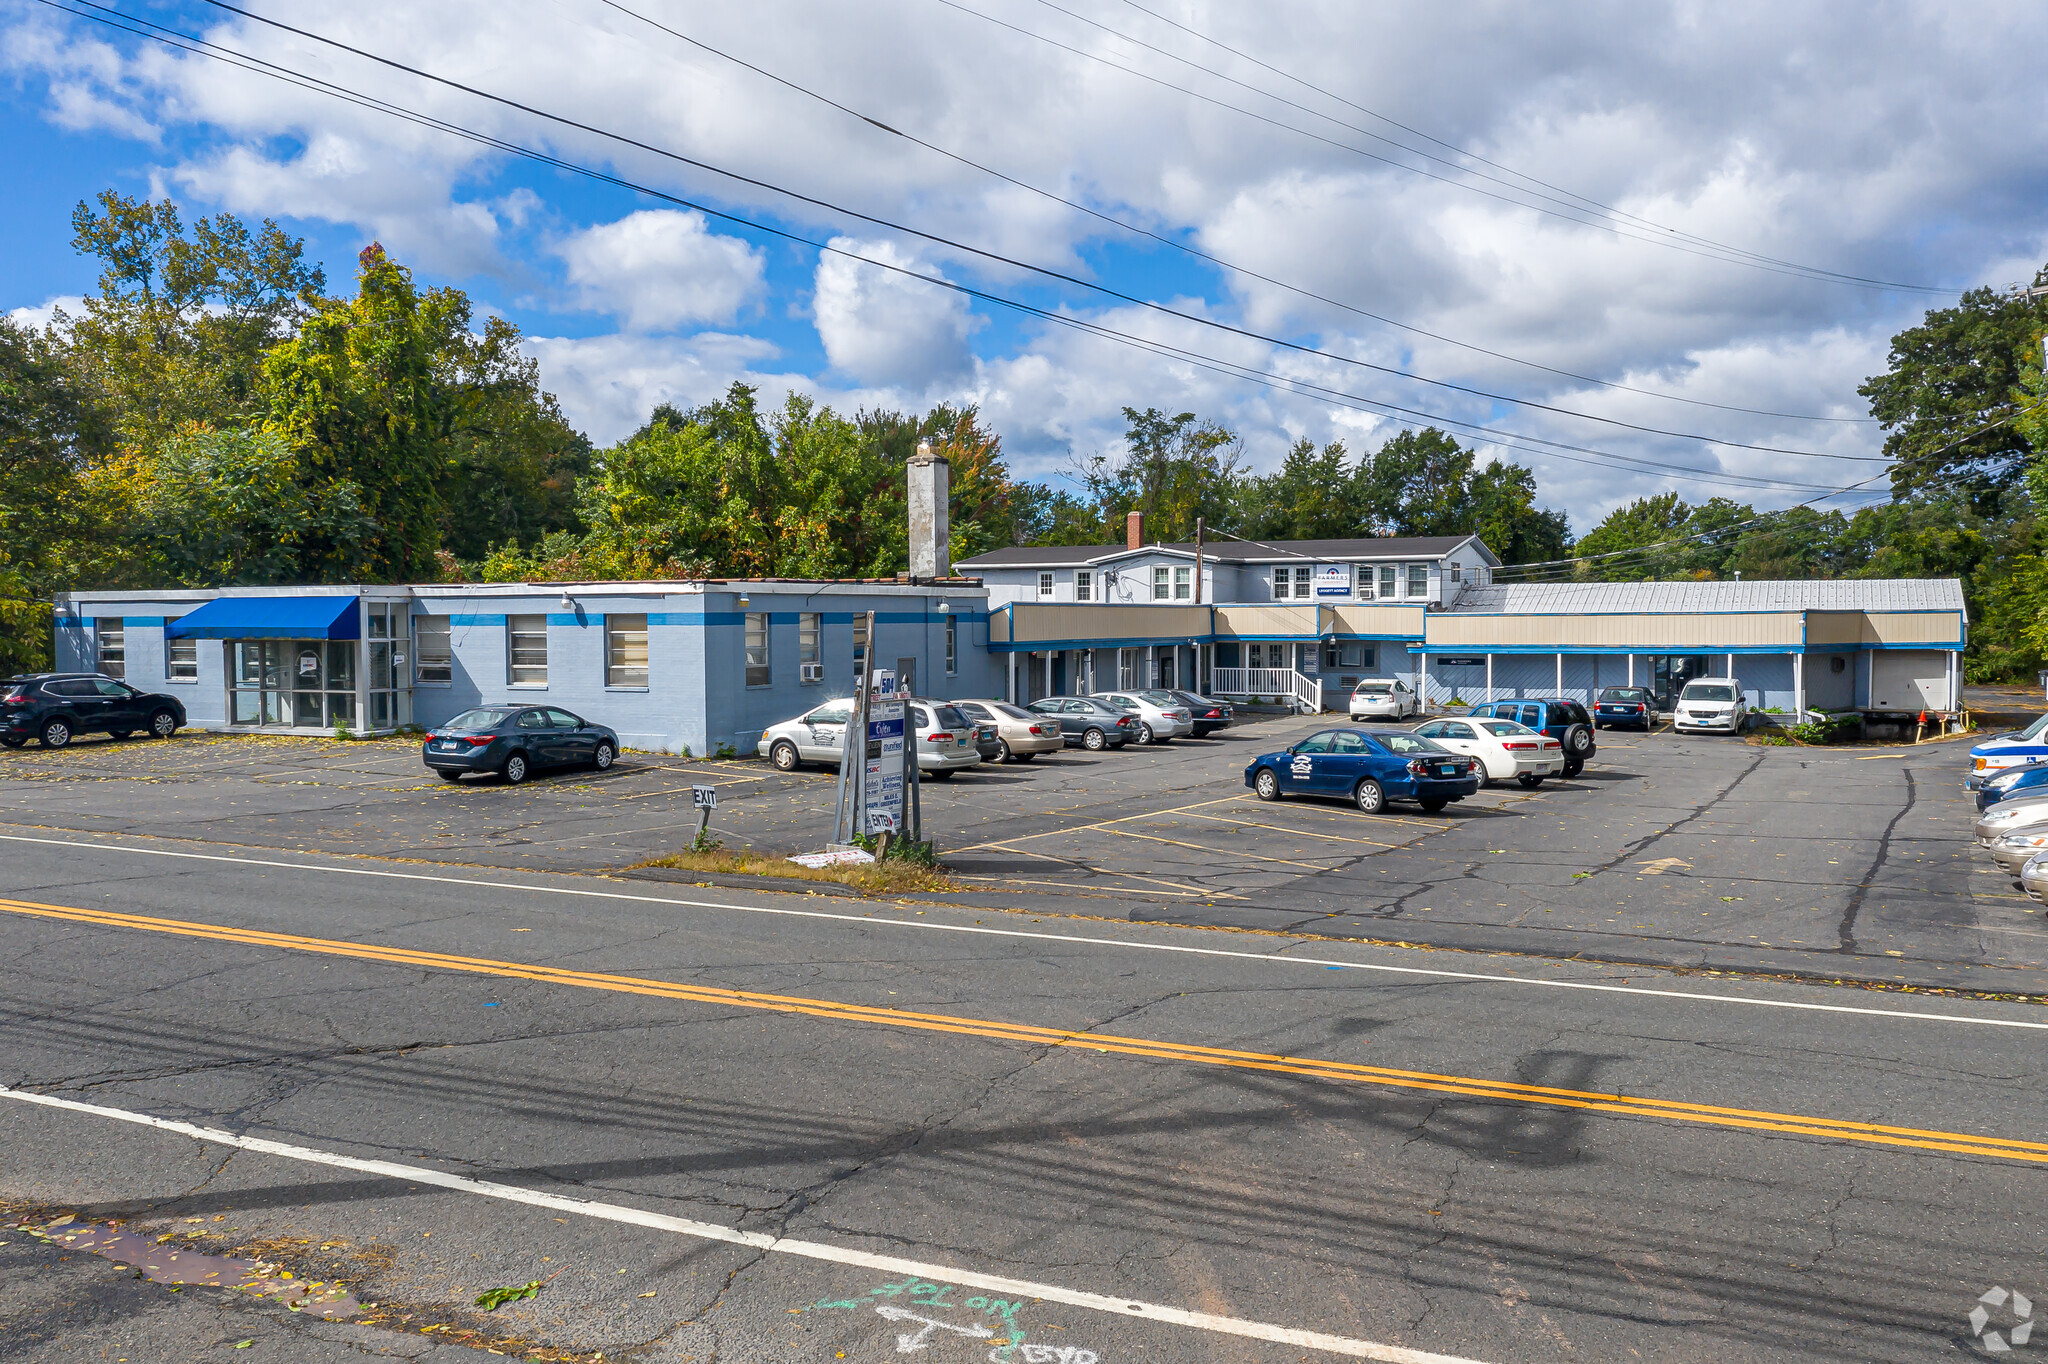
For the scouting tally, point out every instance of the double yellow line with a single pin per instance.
(1960, 1143)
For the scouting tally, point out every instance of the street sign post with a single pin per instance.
(704, 799)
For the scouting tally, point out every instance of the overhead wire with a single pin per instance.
(1589, 203)
(1193, 251)
(998, 258)
(1551, 449)
(1568, 213)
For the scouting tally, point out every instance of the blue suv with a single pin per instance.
(1562, 720)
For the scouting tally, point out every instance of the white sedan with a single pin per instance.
(1504, 748)
(1383, 698)
(1160, 714)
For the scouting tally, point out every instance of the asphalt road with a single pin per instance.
(976, 1135)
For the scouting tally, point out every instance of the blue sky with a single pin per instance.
(1898, 143)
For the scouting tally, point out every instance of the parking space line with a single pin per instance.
(1088, 828)
(1093, 870)
(1220, 852)
(1305, 833)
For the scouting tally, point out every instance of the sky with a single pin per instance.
(1623, 245)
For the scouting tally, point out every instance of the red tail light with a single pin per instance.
(479, 740)
(940, 737)
(1518, 747)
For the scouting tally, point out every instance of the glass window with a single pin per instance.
(757, 649)
(1159, 583)
(1364, 584)
(1302, 574)
(1387, 574)
(483, 717)
(625, 651)
(181, 660)
(436, 661)
(860, 646)
(809, 632)
(1316, 743)
(1180, 584)
(1347, 742)
(1283, 583)
(1407, 745)
(1418, 580)
(831, 713)
(1045, 583)
(341, 665)
(534, 719)
(526, 651)
(1457, 573)
(952, 647)
(113, 645)
(562, 719)
(1084, 585)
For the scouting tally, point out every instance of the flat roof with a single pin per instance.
(1666, 598)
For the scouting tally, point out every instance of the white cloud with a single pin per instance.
(40, 317)
(883, 327)
(660, 269)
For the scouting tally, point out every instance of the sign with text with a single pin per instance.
(704, 797)
(884, 785)
(1333, 580)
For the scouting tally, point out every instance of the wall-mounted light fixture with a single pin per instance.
(568, 604)
(943, 608)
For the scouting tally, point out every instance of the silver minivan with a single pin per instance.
(945, 737)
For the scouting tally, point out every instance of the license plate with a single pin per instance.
(1447, 771)
(444, 745)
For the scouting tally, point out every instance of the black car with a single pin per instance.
(1088, 722)
(1209, 716)
(1625, 706)
(1563, 720)
(52, 707)
(517, 741)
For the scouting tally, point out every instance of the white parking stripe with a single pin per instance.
(1436, 973)
(777, 1245)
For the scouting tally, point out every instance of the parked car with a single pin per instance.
(2021, 812)
(517, 741)
(1088, 721)
(2010, 749)
(2003, 786)
(1020, 735)
(1383, 698)
(52, 708)
(945, 737)
(1711, 705)
(1625, 706)
(1553, 717)
(2014, 850)
(1366, 767)
(1160, 714)
(1208, 715)
(1502, 748)
(2034, 879)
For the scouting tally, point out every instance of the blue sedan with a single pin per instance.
(1366, 767)
(2032, 779)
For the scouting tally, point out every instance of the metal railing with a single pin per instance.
(1305, 692)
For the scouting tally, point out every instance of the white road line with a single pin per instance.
(1269, 957)
(777, 1245)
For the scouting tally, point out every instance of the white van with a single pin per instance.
(1711, 705)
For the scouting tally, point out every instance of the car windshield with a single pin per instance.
(483, 717)
(1374, 689)
(950, 717)
(1708, 691)
(1501, 728)
(2034, 730)
(1160, 698)
(1121, 702)
(1407, 744)
(1015, 712)
(1624, 694)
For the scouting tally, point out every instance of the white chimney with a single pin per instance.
(931, 491)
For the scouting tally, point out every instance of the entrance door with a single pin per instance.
(1167, 670)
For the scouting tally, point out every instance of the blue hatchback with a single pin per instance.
(1367, 768)
(2032, 778)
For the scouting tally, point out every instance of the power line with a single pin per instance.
(1073, 280)
(257, 65)
(1590, 203)
(1183, 247)
(1565, 211)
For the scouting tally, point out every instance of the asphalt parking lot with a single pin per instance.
(1703, 852)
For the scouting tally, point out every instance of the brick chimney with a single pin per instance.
(1134, 531)
(931, 478)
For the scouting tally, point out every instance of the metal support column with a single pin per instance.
(1013, 678)
(1489, 677)
(1799, 688)
(1560, 674)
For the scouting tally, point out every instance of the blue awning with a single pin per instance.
(270, 618)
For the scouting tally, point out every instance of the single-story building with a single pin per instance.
(698, 665)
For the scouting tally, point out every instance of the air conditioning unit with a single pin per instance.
(811, 672)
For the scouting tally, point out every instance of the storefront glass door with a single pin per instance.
(292, 683)
(1670, 672)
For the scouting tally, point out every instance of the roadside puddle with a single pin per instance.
(160, 1259)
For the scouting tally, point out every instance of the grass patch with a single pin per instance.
(893, 877)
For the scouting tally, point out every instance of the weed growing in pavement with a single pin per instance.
(706, 842)
(893, 877)
(342, 733)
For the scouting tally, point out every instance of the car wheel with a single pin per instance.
(1573, 766)
(1003, 753)
(1025, 757)
(119, 734)
(943, 774)
(1266, 786)
(56, 734)
(604, 757)
(515, 769)
(162, 724)
(1532, 780)
(1369, 796)
(448, 776)
(1434, 805)
(1093, 740)
(1579, 740)
(1485, 777)
(1145, 735)
(783, 755)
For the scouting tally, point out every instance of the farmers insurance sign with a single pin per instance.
(1333, 580)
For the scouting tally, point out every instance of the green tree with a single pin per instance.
(513, 459)
(1504, 514)
(1173, 469)
(1418, 483)
(1313, 495)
